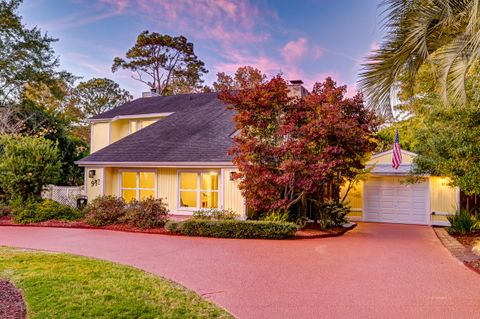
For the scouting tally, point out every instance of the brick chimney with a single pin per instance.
(296, 89)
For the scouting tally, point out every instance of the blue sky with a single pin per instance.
(306, 40)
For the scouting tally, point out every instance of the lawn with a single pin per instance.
(64, 286)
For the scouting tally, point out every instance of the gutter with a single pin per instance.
(155, 164)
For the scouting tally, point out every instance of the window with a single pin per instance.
(137, 185)
(198, 190)
(136, 125)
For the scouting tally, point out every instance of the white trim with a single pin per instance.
(102, 192)
(109, 133)
(364, 215)
(131, 116)
(458, 199)
(198, 190)
(428, 204)
(441, 213)
(91, 137)
(158, 164)
(221, 203)
(376, 155)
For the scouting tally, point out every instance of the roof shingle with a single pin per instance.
(198, 131)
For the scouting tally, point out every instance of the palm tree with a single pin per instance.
(443, 33)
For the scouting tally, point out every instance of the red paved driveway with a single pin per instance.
(375, 271)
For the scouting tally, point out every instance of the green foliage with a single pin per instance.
(233, 228)
(48, 209)
(463, 223)
(98, 95)
(27, 164)
(332, 214)
(277, 216)
(439, 33)
(169, 62)
(406, 130)
(105, 210)
(215, 214)
(26, 56)
(147, 213)
(64, 286)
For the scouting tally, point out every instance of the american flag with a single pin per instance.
(397, 153)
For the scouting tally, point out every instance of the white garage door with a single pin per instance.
(388, 200)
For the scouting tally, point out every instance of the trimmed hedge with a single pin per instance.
(233, 228)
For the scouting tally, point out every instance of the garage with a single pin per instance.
(388, 199)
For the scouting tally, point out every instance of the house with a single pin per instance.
(176, 148)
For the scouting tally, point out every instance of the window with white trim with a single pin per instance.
(198, 190)
(137, 185)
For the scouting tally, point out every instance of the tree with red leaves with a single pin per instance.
(289, 150)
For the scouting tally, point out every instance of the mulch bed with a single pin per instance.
(12, 305)
(314, 231)
(310, 231)
(8, 221)
(468, 240)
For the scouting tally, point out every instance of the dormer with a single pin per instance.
(104, 132)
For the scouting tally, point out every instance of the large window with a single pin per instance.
(198, 190)
(137, 185)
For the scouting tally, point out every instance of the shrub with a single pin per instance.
(234, 228)
(215, 214)
(277, 216)
(105, 210)
(27, 164)
(332, 214)
(147, 213)
(5, 210)
(48, 209)
(463, 223)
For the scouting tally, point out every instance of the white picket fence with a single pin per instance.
(66, 195)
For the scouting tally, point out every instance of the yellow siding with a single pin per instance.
(232, 196)
(100, 136)
(111, 181)
(119, 130)
(354, 199)
(94, 184)
(443, 198)
(167, 186)
(387, 159)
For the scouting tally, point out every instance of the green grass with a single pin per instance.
(64, 286)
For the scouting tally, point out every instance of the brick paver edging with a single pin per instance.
(454, 246)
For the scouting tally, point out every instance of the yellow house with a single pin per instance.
(176, 148)
(385, 197)
(172, 147)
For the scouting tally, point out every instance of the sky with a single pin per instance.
(307, 40)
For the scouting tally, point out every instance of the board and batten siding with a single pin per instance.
(100, 136)
(232, 196)
(167, 186)
(119, 129)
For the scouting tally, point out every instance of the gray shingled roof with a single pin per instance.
(199, 130)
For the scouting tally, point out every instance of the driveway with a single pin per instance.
(374, 271)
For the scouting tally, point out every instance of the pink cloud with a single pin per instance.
(294, 50)
(225, 21)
